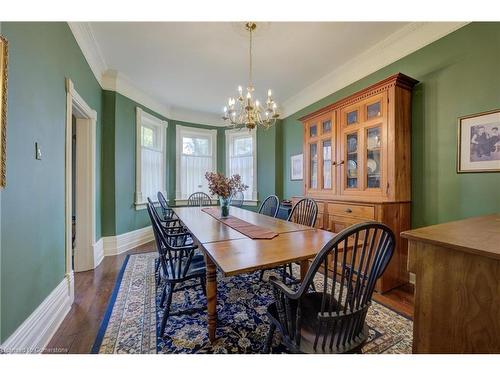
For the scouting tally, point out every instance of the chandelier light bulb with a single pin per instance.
(269, 93)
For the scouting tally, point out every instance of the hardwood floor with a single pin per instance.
(93, 289)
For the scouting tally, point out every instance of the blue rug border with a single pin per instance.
(109, 309)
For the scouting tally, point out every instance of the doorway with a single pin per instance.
(82, 254)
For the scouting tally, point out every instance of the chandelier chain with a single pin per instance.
(250, 59)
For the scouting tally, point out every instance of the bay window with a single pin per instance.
(150, 157)
(196, 155)
(241, 158)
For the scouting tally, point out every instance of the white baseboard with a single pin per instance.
(33, 335)
(98, 252)
(115, 245)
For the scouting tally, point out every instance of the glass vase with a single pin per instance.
(225, 203)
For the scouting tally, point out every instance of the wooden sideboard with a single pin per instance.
(457, 286)
(357, 163)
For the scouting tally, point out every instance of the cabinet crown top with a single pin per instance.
(398, 79)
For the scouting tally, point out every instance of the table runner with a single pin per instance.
(250, 230)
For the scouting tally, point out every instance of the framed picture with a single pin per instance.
(479, 142)
(3, 106)
(296, 167)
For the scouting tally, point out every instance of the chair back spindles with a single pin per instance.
(175, 254)
(304, 212)
(360, 255)
(168, 213)
(270, 206)
(199, 199)
(237, 199)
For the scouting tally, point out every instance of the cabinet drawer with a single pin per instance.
(337, 224)
(321, 207)
(352, 210)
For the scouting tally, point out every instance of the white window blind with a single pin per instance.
(196, 155)
(241, 158)
(150, 165)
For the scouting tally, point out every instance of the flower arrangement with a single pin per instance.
(223, 186)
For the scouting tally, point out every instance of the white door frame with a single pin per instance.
(87, 254)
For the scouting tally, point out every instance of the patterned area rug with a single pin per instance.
(133, 317)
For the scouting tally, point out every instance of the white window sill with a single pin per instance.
(143, 205)
(183, 202)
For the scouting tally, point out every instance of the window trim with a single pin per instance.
(230, 135)
(143, 116)
(180, 132)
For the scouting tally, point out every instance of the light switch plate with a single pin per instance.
(38, 152)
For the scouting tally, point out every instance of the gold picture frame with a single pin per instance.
(478, 142)
(4, 57)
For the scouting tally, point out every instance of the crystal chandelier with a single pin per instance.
(246, 111)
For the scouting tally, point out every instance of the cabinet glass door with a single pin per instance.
(373, 157)
(327, 164)
(351, 166)
(313, 130)
(313, 154)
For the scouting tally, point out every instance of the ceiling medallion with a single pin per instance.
(246, 111)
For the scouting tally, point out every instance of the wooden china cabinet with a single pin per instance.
(357, 158)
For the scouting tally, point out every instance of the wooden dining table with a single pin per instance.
(233, 253)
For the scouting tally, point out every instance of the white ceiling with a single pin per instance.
(196, 66)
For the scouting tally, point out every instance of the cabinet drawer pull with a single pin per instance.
(348, 210)
(342, 162)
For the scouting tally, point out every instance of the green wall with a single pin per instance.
(41, 56)
(459, 75)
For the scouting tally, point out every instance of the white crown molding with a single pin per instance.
(196, 117)
(82, 31)
(33, 335)
(409, 39)
(115, 81)
(114, 245)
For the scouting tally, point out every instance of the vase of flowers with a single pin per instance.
(224, 187)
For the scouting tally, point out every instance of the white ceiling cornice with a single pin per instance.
(115, 81)
(196, 117)
(399, 44)
(82, 31)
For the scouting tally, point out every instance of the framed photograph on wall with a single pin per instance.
(297, 167)
(3, 106)
(479, 142)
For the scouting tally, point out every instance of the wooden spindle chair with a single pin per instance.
(304, 212)
(169, 223)
(273, 207)
(179, 263)
(333, 320)
(168, 213)
(238, 199)
(269, 206)
(199, 199)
